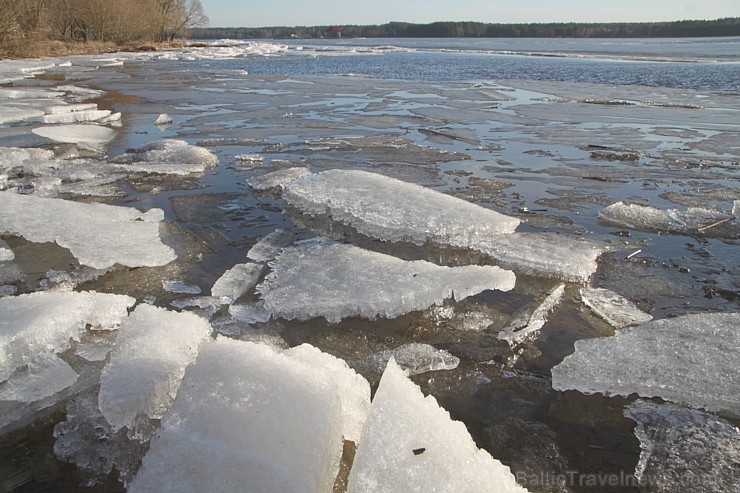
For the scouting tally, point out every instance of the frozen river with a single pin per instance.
(526, 226)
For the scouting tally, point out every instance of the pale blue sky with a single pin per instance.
(253, 13)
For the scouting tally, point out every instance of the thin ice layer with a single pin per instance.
(321, 278)
(690, 360)
(249, 415)
(38, 324)
(410, 444)
(98, 235)
(394, 210)
(617, 310)
(415, 358)
(147, 364)
(685, 450)
(692, 221)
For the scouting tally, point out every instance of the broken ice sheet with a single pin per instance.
(690, 360)
(322, 278)
(411, 444)
(694, 221)
(617, 310)
(98, 235)
(685, 450)
(248, 413)
(152, 349)
(415, 358)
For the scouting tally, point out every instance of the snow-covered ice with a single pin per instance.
(322, 278)
(38, 324)
(411, 444)
(394, 210)
(692, 221)
(147, 364)
(617, 310)
(236, 281)
(685, 450)
(690, 360)
(91, 134)
(527, 325)
(249, 415)
(98, 235)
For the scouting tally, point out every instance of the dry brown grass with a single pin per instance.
(49, 48)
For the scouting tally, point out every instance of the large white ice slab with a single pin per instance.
(42, 323)
(321, 278)
(394, 210)
(690, 360)
(617, 310)
(410, 444)
(685, 450)
(148, 361)
(77, 134)
(98, 235)
(250, 418)
(692, 221)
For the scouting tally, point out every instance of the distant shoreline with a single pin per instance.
(727, 27)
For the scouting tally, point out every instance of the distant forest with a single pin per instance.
(719, 27)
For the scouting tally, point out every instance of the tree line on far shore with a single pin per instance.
(698, 28)
(107, 21)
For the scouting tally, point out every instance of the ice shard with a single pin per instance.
(690, 360)
(268, 247)
(617, 310)
(249, 417)
(236, 281)
(527, 325)
(98, 235)
(147, 364)
(411, 444)
(322, 278)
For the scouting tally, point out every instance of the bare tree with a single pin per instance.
(179, 15)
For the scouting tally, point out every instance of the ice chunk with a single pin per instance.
(163, 119)
(692, 221)
(268, 247)
(69, 108)
(415, 358)
(251, 313)
(527, 325)
(247, 414)
(76, 116)
(6, 254)
(11, 93)
(543, 254)
(15, 156)
(37, 324)
(617, 310)
(167, 156)
(321, 278)
(684, 450)
(98, 235)
(410, 444)
(94, 135)
(690, 360)
(39, 378)
(177, 286)
(277, 179)
(13, 114)
(393, 210)
(236, 281)
(148, 361)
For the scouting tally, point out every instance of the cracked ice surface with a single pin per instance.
(393, 210)
(411, 444)
(41, 323)
(246, 411)
(321, 278)
(98, 235)
(152, 349)
(690, 360)
(685, 450)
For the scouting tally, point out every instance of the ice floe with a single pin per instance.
(147, 364)
(91, 134)
(695, 221)
(322, 278)
(617, 310)
(98, 235)
(527, 325)
(250, 415)
(410, 444)
(684, 450)
(690, 360)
